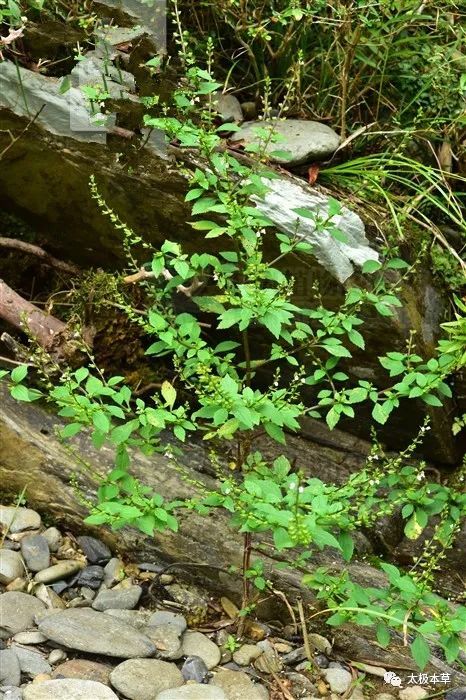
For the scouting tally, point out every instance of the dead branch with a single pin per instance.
(53, 335)
(30, 249)
(24, 316)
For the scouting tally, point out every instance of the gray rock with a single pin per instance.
(68, 689)
(236, 685)
(63, 569)
(56, 656)
(87, 593)
(269, 661)
(117, 598)
(11, 566)
(36, 553)
(246, 654)
(29, 637)
(87, 630)
(143, 679)
(19, 519)
(31, 661)
(10, 671)
(321, 661)
(194, 669)
(305, 141)
(337, 257)
(456, 694)
(194, 691)
(49, 597)
(167, 641)
(113, 572)
(60, 586)
(64, 114)
(17, 611)
(320, 643)
(139, 619)
(91, 576)
(294, 656)
(301, 685)
(46, 612)
(249, 110)
(197, 644)
(384, 696)
(414, 692)
(10, 692)
(338, 679)
(96, 551)
(228, 107)
(165, 617)
(85, 670)
(53, 537)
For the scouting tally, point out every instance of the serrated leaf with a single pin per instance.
(383, 634)
(420, 651)
(379, 414)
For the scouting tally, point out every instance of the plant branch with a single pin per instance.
(30, 249)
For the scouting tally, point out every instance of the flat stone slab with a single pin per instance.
(68, 689)
(19, 519)
(143, 679)
(96, 633)
(17, 612)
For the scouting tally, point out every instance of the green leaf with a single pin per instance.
(420, 651)
(20, 392)
(337, 350)
(346, 544)
(356, 338)
(168, 392)
(71, 430)
(65, 85)
(19, 373)
(146, 524)
(332, 418)
(371, 266)
(397, 264)
(204, 225)
(122, 432)
(275, 432)
(101, 421)
(432, 400)
(383, 634)
(281, 538)
(379, 414)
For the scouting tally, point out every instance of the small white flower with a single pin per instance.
(301, 489)
(420, 476)
(292, 485)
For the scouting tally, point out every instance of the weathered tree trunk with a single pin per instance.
(32, 458)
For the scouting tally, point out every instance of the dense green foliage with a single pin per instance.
(251, 360)
(241, 292)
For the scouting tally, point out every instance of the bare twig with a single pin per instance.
(15, 139)
(166, 274)
(30, 249)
